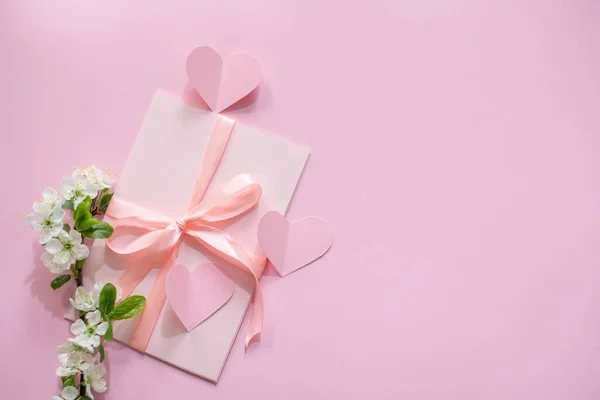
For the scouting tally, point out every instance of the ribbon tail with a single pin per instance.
(256, 319)
(140, 337)
(131, 277)
(223, 246)
(164, 245)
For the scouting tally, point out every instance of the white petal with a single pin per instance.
(59, 203)
(97, 289)
(93, 318)
(82, 341)
(62, 257)
(70, 393)
(102, 328)
(63, 358)
(42, 209)
(83, 300)
(78, 327)
(49, 195)
(56, 228)
(69, 181)
(81, 292)
(81, 251)
(67, 192)
(77, 171)
(91, 191)
(99, 386)
(57, 269)
(58, 215)
(65, 371)
(54, 246)
(33, 219)
(47, 259)
(74, 303)
(56, 398)
(88, 392)
(75, 236)
(98, 371)
(65, 348)
(87, 363)
(46, 235)
(94, 340)
(77, 201)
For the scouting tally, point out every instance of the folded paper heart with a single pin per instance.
(222, 82)
(292, 245)
(196, 295)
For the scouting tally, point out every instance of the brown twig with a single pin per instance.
(79, 281)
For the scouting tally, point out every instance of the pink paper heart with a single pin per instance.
(222, 82)
(196, 295)
(292, 245)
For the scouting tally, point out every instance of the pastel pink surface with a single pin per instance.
(292, 245)
(195, 295)
(222, 81)
(460, 174)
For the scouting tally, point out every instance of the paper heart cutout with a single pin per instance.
(196, 295)
(292, 245)
(222, 82)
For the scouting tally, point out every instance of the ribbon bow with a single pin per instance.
(160, 242)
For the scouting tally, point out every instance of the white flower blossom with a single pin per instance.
(72, 355)
(68, 393)
(77, 188)
(46, 220)
(50, 198)
(66, 370)
(84, 301)
(95, 177)
(88, 336)
(67, 248)
(53, 267)
(88, 301)
(94, 379)
(85, 342)
(95, 324)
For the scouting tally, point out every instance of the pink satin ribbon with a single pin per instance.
(159, 245)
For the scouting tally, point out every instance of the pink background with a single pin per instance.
(455, 152)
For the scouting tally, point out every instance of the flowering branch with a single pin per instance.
(86, 193)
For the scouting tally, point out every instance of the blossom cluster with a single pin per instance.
(63, 246)
(86, 193)
(77, 355)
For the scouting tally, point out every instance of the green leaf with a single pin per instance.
(101, 351)
(68, 204)
(87, 224)
(105, 201)
(82, 213)
(68, 381)
(108, 336)
(108, 296)
(74, 271)
(128, 308)
(101, 230)
(79, 264)
(66, 227)
(84, 398)
(59, 281)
